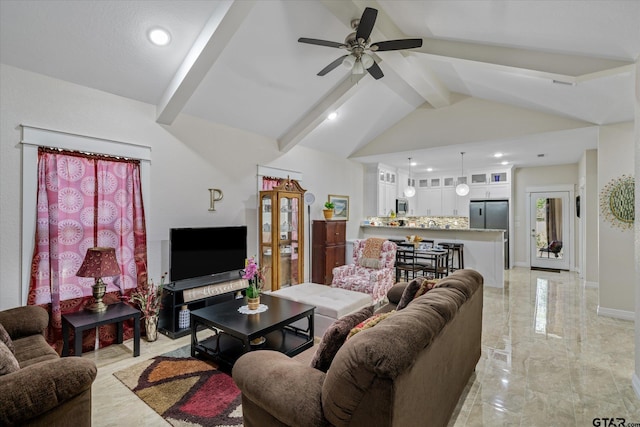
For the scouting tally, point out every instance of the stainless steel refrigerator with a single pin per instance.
(492, 214)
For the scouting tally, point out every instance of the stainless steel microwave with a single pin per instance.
(402, 206)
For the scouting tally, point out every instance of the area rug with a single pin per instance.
(184, 390)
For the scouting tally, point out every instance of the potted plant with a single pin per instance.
(148, 298)
(255, 276)
(328, 210)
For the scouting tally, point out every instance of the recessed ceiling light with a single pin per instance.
(332, 116)
(413, 163)
(498, 155)
(504, 163)
(429, 169)
(159, 36)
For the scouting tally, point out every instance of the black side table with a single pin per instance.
(83, 320)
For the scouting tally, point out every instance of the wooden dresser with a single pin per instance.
(328, 249)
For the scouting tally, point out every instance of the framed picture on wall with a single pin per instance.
(341, 206)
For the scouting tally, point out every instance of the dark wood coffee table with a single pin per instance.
(234, 331)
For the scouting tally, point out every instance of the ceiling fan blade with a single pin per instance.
(321, 42)
(375, 71)
(396, 45)
(331, 66)
(367, 21)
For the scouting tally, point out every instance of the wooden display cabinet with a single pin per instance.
(328, 252)
(282, 236)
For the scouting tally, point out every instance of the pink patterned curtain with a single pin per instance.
(268, 183)
(84, 201)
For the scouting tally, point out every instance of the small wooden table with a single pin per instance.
(83, 320)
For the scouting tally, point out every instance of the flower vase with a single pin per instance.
(253, 303)
(151, 326)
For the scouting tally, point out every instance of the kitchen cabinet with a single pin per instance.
(328, 249)
(281, 243)
(428, 202)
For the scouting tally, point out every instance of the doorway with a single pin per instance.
(550, 237)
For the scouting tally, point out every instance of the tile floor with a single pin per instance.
(547, 360)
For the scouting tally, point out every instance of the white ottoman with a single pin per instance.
(331, 303)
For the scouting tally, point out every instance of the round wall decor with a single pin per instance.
(617, 202)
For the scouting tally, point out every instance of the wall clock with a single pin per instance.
(617, 202)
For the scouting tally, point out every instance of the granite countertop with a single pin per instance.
(398, 227)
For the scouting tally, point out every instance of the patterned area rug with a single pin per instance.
(184, 390)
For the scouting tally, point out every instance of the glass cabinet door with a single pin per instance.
(288, 240)
(266, 247)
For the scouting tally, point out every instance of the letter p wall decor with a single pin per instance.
(215, 195)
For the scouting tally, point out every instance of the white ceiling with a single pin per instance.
(239, 64)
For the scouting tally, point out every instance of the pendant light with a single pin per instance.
(410, 190)
(462, 189)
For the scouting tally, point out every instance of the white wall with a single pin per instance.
(616, 257)
(589, 217)
(535, 177)
(188, 158)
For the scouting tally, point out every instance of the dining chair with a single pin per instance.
(406, 262)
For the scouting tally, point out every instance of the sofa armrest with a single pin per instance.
(24, 321)
(38, 388)
(281, 386)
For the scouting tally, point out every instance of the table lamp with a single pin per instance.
(98, 263)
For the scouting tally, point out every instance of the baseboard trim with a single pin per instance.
(616, 314)
(595, 285)
(521, 264)
(635, 382)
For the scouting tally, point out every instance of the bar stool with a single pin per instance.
(458, 254)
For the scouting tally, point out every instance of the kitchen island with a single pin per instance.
(483, 248)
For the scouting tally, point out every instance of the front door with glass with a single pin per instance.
(550, 240)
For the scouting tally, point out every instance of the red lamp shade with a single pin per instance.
(99, 262)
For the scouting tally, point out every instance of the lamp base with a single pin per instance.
(99, 289)
(97, 307)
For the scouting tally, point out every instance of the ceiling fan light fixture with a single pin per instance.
(358, 68)
(367, 60)
(348, 62)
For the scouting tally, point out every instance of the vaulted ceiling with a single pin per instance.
(521, 77)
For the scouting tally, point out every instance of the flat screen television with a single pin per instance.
(196, 252)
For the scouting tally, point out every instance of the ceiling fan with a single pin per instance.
(358, 44)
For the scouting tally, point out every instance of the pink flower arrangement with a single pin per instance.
(255, 276)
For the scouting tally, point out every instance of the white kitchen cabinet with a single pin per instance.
(454, 205)
(428, 202)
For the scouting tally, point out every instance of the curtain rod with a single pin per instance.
(79, 153)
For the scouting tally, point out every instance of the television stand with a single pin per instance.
(195, 293)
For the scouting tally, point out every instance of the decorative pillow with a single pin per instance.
(6, 339)
(335, 336)
(369, 323)
(416, 288)
(8, 362)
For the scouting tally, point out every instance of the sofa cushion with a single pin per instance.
(335, 336)
(33, 349)
(416, 288)
(8, 362)
(6, 339)
(369, 323)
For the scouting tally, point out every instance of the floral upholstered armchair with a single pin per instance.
(373, 272)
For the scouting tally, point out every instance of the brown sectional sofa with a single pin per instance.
(47, 390)
(410, 369)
